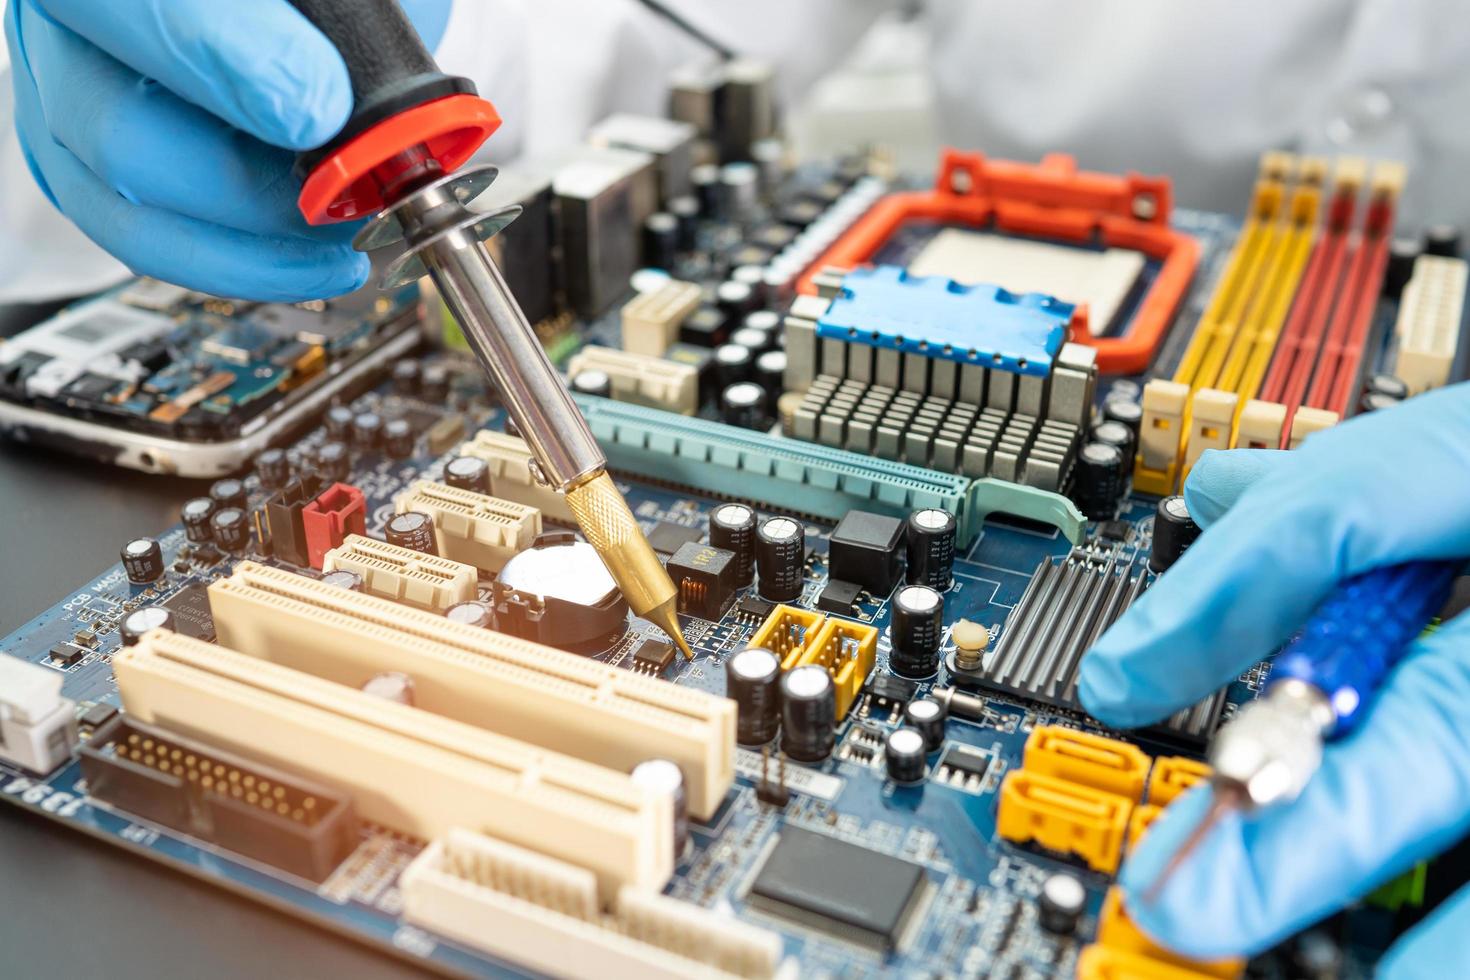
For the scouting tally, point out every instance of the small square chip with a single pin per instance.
(843, 889)
(667, 537)
(839, 597)
(191, 612)
(653, 657)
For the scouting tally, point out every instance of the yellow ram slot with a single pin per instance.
(544, 917)
(547, 697)
(405, 768)
(1116, 931)
(1172, 775)
(1241, 269)
(848, 650)
(1064, 816)
(471, 527)
(1092, 760)
(409, 576)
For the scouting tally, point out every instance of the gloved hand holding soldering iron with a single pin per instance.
(1281, 530)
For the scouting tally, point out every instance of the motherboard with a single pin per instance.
(906, 446)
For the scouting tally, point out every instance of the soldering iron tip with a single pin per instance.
(666, 617)
(1226, 797)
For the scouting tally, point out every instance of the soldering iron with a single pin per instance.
(398, 157)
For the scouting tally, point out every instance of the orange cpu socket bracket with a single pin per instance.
(1052, 199)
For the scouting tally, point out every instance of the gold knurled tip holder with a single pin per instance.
(610, 527)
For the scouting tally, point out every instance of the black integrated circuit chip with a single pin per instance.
(843, 889)
(653, 657)
(667, 537)
(191, 612)
(839, 597)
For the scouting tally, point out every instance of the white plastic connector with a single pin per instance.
(38, 727)
(651, 321)
(1261, 424)
(408, 769)
(543, 916)
(511, 476)
(403, 574)
(471, 527)
(1428, 324)
(1211, 417)
(642, 379)
(570, 704)
(1308, 420)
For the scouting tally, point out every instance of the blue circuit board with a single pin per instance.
(979, 918)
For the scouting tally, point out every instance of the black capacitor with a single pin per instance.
(1389, 386)
(740, 185)
(736, 299)
(273, 468)
(770, 373)
(406, 377)
(398, 438)
(1402, 254)
(471, 613)
(732, 527)
(1174, 531)
(195, 514)
(904, 756)
(142, 560)
(766, 321)
(753, 682)
(808, 713)
(1442, 240)
(780, 558)
(1061, 903)
(1126, 411)
(339, 422)
(344, 578)
(685, 210)
(743, 404)
(732, 364)
(367, 430)
(333, 462)
(228, 492)
(1098, 479)
(231, 529)
(1375, 401)
(705, 179)
(660, 240)
(434, 383)
(751, 339)
(468, 473)
(592, 381)
(916, 628)
(926, 716)
(930, 536)
(1117, 434)
(705, 327)
(413, 530)
(140, 621)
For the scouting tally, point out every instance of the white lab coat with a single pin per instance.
(1193, 90)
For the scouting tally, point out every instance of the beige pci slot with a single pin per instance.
(470, 527)
(651, 320)
(641, 379)
(510, 474)
(405, 768)
(543, 915)
(566, 703)
(402, 574)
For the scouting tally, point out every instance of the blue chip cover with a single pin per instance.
(884, 306)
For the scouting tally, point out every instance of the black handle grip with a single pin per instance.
(389, 66)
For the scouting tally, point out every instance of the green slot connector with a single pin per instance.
(990, 495)
(802, 477)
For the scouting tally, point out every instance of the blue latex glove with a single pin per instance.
(1282, 530)
(165, 130)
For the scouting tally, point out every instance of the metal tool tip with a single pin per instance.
(666, 617)
(1226, 797)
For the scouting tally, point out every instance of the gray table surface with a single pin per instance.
(74, 907)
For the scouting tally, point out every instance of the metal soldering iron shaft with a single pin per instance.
(566, 456)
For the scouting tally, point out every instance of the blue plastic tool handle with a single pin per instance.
(1357, 635)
